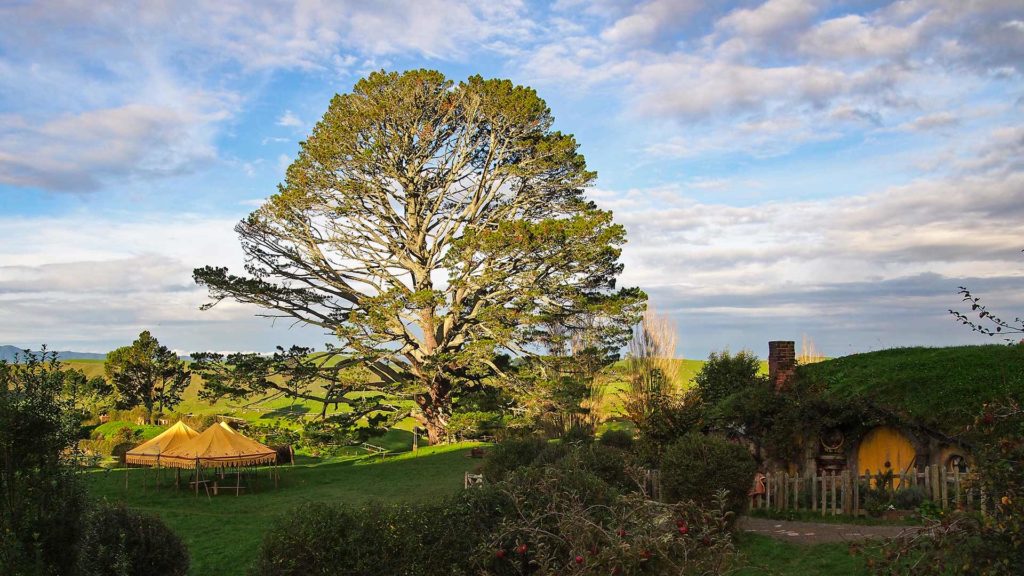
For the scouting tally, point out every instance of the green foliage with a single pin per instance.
(510, 455)
(116, 541)
(697, 466)
(146, 374)
(374, 539)
(665, 424)
(621, 439)
(273, 435)
(566, 521)
(42, 498)
(411, 177)
(473, 425)
(725, 374)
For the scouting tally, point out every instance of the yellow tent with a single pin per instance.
(150, 452)
(218, 447)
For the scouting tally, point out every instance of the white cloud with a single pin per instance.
(290, 120)
(82, 152)
(107, 92)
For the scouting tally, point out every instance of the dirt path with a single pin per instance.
(815, 533)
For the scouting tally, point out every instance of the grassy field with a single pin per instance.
(223, 533)
(764, 556)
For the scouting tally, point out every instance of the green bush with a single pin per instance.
(620, 439)
(564, 521)
(381, 539)
(42, 498)
(510, 455)
(578, 435)
(117, 541)
(696, 466)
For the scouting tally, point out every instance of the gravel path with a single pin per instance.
(814, 533)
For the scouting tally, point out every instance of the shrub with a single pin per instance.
(380, 539)
(117, 541)
(621, 439)
(42, 497)
(696, 466)
(607, 463)
(510, 455)
(570, 522)
(578, 435)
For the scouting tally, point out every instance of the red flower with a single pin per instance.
(579, 559)
(521, 549)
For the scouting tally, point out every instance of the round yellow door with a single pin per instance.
(885, 449)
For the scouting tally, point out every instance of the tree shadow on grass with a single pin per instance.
(292, 412)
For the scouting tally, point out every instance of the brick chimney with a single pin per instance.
(781, 362)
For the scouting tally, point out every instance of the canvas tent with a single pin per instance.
(150, 452)
(218, 447)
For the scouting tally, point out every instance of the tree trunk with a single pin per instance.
(436, 409)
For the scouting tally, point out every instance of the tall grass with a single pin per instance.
(650, 368)
(808, 352)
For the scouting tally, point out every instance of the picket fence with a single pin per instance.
(840, 493)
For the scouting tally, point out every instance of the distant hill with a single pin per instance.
(9, 353)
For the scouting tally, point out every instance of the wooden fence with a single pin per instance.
(842, 493)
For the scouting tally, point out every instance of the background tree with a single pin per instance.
(430, 227)
(89, 395)
(725, 374)
(146, 374)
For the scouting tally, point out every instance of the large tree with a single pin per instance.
(430, 226)
(146, 374)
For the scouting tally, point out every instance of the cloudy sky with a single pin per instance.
(834, 169)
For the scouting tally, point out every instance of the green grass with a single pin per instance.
(765, 556)
(111, 428)
(941, 387)
(223, 533)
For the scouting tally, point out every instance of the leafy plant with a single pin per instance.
(697, 467)
(117, 541)
(41, 498)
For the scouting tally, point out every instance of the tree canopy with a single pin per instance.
(147, 374)
(430, 226)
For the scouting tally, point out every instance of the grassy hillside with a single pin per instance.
(941, 387)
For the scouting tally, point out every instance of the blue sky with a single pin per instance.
(834, 169)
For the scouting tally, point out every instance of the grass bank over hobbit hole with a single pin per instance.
(943, 388)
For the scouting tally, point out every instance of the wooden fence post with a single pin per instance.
(943, 488)
(824, 491)
(856, 495)
(814, 493)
